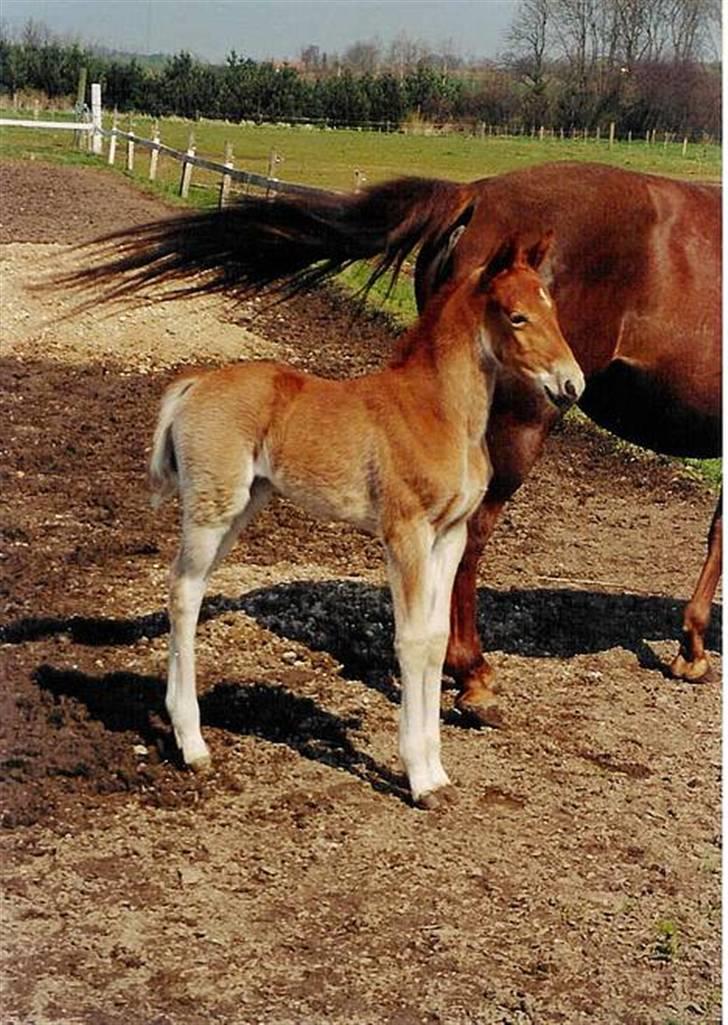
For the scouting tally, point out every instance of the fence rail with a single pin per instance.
(74, 126)
(187, 157)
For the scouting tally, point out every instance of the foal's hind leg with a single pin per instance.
(201, 549)
(691, 662)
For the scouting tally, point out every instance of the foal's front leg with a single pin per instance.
(445, 557)
(421, 571)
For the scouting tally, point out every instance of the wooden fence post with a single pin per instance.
(112, 140)
(611, 133)
(78, 137)
(685, 146)
(186, 177)
(154, 155)
(130, 148)
(226, 179)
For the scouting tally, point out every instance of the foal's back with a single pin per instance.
(346, 450)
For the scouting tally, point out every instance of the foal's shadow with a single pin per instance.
(354, 623)
(135, 703)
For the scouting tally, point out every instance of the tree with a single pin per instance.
(529, 35)
(363, 58)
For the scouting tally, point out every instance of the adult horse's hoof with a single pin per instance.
(697, 671)
(435, 799)
(480, 710)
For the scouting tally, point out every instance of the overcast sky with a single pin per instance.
(269, 28)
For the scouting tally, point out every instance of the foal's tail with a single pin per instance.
(282, 246)
(163, 466)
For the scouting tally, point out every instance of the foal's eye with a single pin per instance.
(518, 320)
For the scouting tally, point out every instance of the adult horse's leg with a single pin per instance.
(464, 660)
(514, 444)
(691, 662)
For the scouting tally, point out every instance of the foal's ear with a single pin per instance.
(505, 257)
(536, 255)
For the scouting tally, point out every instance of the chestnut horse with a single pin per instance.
(635, 271)
(399, 453)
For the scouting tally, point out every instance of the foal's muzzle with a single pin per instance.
(565, 399)
(564, 388)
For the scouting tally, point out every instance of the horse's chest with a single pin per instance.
(468, 481)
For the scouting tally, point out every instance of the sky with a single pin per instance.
(280, 29)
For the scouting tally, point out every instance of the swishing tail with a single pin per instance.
(163, 467)
(284, 245)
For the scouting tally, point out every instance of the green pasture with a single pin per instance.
(331, 158)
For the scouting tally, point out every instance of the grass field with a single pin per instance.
(330, 159)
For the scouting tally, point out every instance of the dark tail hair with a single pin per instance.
(281, 246)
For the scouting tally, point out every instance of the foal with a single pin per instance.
(399, 454)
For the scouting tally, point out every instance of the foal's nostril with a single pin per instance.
(563, 398)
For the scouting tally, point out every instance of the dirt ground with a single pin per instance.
(576, 881)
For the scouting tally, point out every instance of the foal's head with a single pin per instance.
(520, 331)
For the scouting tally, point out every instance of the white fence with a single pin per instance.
(96, 133)
(91, 123)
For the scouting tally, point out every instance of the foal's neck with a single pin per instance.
(449, 354)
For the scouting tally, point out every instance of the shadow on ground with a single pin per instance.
(353, 622)
(130, 702)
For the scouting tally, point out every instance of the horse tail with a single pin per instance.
(163, 465)
(284, 246)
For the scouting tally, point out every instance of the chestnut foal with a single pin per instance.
(399, 453)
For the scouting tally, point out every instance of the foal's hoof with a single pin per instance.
(483, 712)
(200, 766)
(698, 671)
(440, 798)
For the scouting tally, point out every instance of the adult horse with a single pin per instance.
(635, 272)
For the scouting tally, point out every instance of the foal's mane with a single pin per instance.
(424, 332)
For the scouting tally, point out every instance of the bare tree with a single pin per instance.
(311, 57)
(529, 36)
(529, 39)
(363, 57)
(405, 53)
(688, 21)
